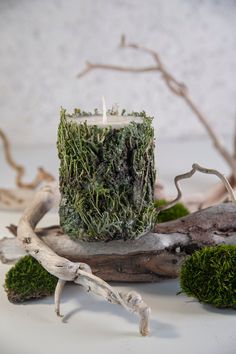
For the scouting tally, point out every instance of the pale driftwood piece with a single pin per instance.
(58, 291)
(153, 257)
(160, 262)
(214, 196)
(189, 174)
(66, 270)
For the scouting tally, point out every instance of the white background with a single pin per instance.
(44, 43)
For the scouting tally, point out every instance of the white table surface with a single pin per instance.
(91, 325)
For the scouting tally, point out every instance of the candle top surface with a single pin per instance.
(115, 121)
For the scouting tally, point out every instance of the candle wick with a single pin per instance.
(104, 111)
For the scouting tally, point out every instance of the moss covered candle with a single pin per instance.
(107, 175)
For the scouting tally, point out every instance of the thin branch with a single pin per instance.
(214, 196)
(41, 176)
(178, 88)
(92, 66)
(189, 174)
(20, 170)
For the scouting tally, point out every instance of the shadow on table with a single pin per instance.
(166, 287)
(218, 311)
(179, 303)
(94, 304)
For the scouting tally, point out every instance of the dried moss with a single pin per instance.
(209, 275)
(28, 280)
(107, 179)
(175, 212)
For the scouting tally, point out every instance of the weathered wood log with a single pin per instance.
(152, 257)
(66, 270)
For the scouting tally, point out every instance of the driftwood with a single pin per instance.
(66, 270)
(152, 257)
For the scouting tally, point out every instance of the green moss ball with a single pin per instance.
(175, 212)
(28, 280)
(210, 276)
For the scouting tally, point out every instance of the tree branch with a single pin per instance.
(65, 270)
(41, 176)
(189, 174)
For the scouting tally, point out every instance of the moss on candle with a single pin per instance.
(107, 179)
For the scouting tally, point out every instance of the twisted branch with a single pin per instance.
(189, 174)
(65, 270)
(41, 176)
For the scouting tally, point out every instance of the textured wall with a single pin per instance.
(45, 43)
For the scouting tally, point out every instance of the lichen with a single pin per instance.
(209, 276)
(28, 280)
(107, 179)
(175, 212)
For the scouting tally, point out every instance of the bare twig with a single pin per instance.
(41, 176)
(195, 168)
(90, 66)
(178, 88)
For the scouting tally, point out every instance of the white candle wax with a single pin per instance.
(104, 111)
(111, 120)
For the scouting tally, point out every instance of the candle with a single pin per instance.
(104, 111)
(107, 175)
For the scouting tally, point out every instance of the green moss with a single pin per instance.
(209, 275)
(175, 212)
(107, 179)
(28, 280)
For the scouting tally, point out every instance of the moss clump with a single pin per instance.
(209, 275)
(107, 179)
(28, 280)
(175, 212)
